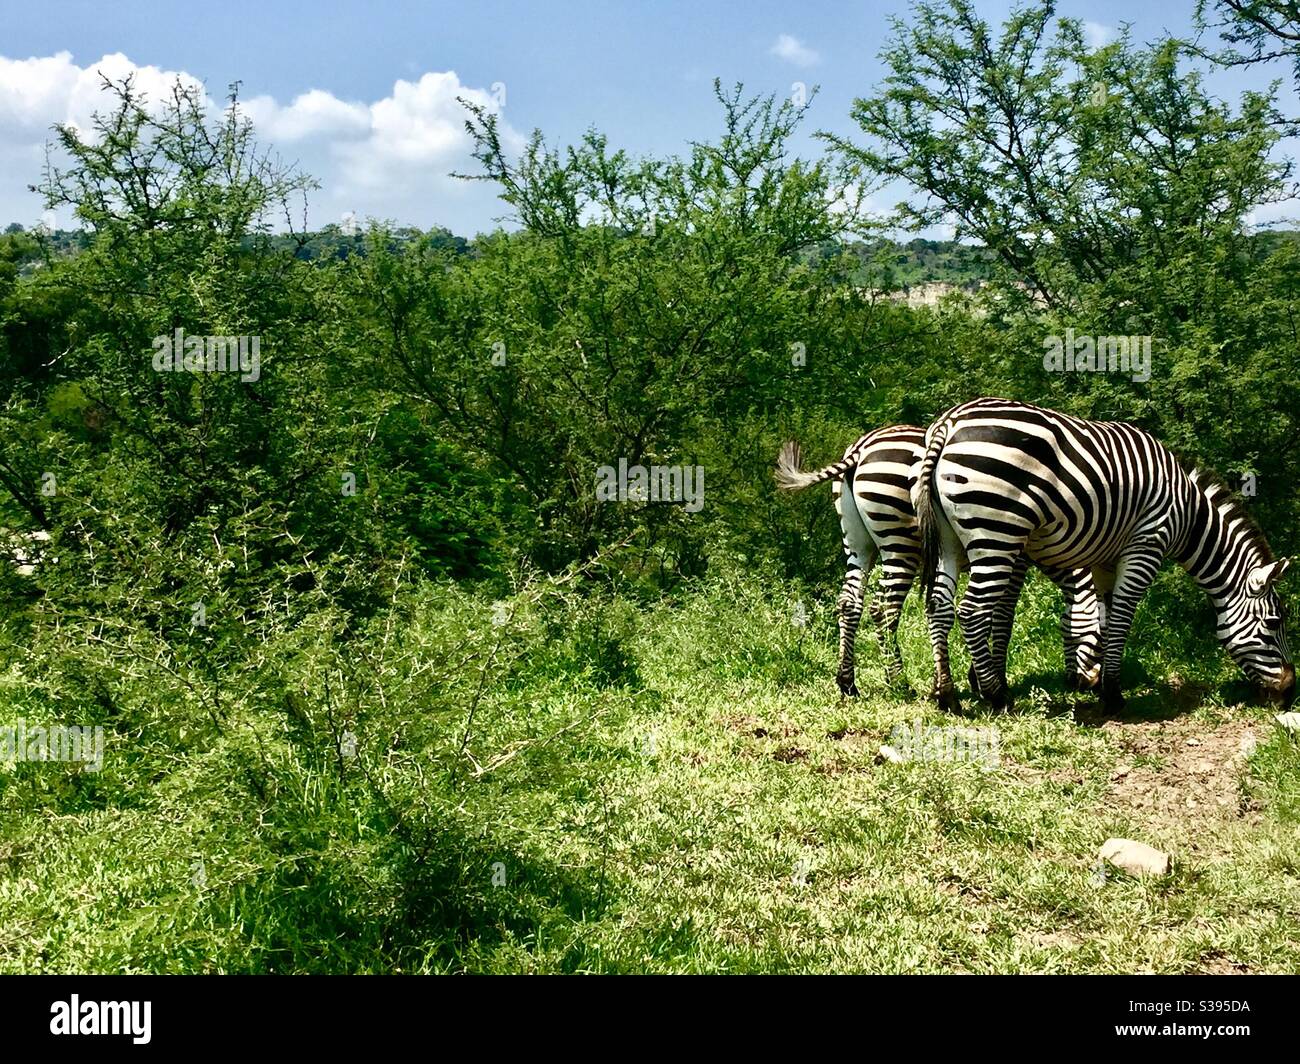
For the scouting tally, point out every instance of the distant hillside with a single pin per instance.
(27, 250)
(883, 265)
(890, 265)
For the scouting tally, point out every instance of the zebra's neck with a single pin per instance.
(1220, 544)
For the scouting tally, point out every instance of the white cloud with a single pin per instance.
(313, 114)
(388, 158)
(420, 124)
(793, 50)
(1096, 35)
(414, 139)
(37, 93)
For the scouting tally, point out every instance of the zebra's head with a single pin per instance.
(1253, 624)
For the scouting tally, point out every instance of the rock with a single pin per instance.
(1290, 721)
(1193, 742)
(888, 753)
(1136, 858)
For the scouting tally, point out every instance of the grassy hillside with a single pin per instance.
(390, 679)
(668, 787)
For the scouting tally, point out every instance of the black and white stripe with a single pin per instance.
(878, 521)
(1001, 480)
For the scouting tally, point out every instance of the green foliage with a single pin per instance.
(568, 781)
(1253, 32)
(364, 641)
(1115, 192)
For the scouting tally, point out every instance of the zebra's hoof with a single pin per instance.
(1112, 701)
(948, 701)
(1081, 682)
(998, 698)
(1075, 682)
(849, 689)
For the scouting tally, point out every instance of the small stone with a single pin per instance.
(1121, 772)
(1193, 742)
(1248, 744)
(1136, 858)
(888, 753)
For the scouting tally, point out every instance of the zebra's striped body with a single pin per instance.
(1002, 480)
(873, 485)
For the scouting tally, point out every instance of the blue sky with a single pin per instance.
(362, 95)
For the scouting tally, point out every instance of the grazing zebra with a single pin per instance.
(1000, 480)
(880, 471)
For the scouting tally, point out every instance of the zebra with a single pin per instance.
(879, 470)
(1000, 480)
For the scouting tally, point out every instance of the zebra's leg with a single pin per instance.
(1103, 583)
(859, 556)
(1004, 616)
(897, 571)
(1080, 627)
(849, 610)
(1081, 631)
(990, 578)
(1136, 570)
(939, 615)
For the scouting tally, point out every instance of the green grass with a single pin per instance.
(672, 787)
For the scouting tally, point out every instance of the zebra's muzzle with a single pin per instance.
(1283, 688)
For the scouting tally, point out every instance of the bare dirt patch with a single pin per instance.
(1057, 940)
(1216, 962)
(1179, 770)
(752, 725)
(855, 751)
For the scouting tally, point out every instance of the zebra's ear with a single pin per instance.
(1262, 577)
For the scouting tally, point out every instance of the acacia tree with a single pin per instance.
(171, 488)
(1117, 193)
(180, 202)
(1254, 32)
(644, 309)
(1069, 162)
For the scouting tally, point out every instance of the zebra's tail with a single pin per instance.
(924, 503)
(789, 477)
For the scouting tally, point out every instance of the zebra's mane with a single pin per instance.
(1220, 492)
